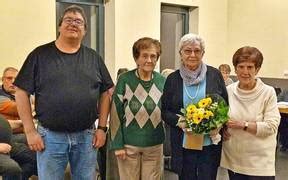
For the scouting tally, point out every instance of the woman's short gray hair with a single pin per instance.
(190, 39)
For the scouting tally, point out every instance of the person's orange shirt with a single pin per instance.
(8, 110)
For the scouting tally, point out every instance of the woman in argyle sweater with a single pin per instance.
(137, 132)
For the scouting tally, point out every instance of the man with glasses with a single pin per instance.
(71, 83)
(8, 108)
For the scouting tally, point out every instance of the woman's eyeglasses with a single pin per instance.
(188, 52)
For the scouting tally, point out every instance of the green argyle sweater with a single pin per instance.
(136, 111)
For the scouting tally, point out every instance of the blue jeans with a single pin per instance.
(63, 147)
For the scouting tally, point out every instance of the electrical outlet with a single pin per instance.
(285, 73)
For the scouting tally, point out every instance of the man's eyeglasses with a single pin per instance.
(70, 21)
(9, 78)
(188, 52)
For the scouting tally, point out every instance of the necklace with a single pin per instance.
(146, 84)
(196, 94)
(151, 76)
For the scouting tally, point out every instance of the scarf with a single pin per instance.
(193, 77)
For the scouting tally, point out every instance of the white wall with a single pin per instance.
(224, 24)
(263, 24)
(213, 28)
(24, 26)
(132, 20)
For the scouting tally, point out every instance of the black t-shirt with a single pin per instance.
(66, 86)
(5, 131)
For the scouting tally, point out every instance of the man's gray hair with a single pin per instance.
(190, 39)
(9, 69)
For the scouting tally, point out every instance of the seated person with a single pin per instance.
(225, 71)
(278, 90)
(283, 96)
(283, 127)
(166, 72)
(8, 167)
(16, 160)
(8, 108)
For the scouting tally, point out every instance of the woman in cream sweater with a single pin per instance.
(249, 150)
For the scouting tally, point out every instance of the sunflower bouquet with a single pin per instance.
(207, 115)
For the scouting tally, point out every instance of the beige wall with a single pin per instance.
(263, 24)
(213, 28)
(24, 25)
(224, 24)
(132, 20)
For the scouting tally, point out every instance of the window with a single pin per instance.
(94, 10)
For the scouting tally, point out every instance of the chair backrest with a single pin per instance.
(277, 90)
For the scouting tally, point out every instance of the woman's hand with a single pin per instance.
(234, 124)
(226, 134)
(214, 132)
(215, 136)
(181, 122)
(121, 154)
(5, 148)
(250, 127)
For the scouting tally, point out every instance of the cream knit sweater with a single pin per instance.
(244, 152)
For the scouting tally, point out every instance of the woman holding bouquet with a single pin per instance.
(249, 151)
(192, 82)
(137, 132)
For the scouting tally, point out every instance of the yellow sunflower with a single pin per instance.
(189, 115)
(208, 114)
(204, 102)
(197, 117)
(191, 109)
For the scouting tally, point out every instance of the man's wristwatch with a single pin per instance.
(245, 126)
(102, 128)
